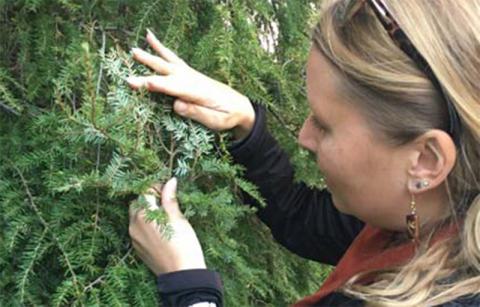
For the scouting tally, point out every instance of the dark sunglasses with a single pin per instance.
(380, 8)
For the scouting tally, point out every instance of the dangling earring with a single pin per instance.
(413, 225)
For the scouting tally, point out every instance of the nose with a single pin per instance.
(306, 137)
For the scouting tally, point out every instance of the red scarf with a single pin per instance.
(366, 253)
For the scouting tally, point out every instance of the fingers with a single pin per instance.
(163, 51)
(131, 214)
(159, 84)
(169, 200)
(151, 201)
(167, 194)
(154, 62)
(210, 117)
(151, 196)
(156, 189)
(136, 82)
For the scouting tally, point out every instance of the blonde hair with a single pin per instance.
(401, 104)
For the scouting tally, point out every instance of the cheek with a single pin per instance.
(335, 164)
(348, 170)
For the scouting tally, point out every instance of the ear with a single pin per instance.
(433, 157)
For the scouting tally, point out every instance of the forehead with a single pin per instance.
(325, 97)
(323, 90)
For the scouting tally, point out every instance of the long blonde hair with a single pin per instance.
(401, 103)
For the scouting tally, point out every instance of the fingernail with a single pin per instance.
(171, 184)
(136, 50)
(149, 31)
(180, 106)
(134, 81)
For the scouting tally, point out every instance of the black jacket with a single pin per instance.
(302, 219)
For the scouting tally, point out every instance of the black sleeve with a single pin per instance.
(302, 219)
(185, 288)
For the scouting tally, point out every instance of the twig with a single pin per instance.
(173, 152)
(160, 140)
(47, 227)
(100, 278)
(74, 103)
(9, 109)
(97, 162)
(194, 164)
(282, 121)
(97, 92)
(97, 205)
(102, 54)
(144, 18)
(138, 131)
(93, 283)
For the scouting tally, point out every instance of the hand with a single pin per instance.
(212, 103)
(182, 251)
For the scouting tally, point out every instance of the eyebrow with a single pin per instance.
(319, 122)
(319, 119)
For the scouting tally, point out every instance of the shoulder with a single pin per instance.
(464, 301)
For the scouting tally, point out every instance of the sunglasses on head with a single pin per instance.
(380, 8)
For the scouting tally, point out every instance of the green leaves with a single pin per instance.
(87, 145)
(8, 102)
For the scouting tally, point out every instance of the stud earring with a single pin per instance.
(421, 184)
(413, 224)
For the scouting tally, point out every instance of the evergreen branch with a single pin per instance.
(102, 277)
(102, 55)
(139, 131)
(95, 223)
(13, 236)
(93, 283)
(47, 227)
(9, 109)
(30, 198)
(194, 164)
(89, 79)
(225, 47)
(97, 203)
(172, 153)
(31, 262)
(282, 122)
(170, 27)
(80, 123)
(97, 161)
(141, 23)
(109, 29)
(122, 30)
(160, 140)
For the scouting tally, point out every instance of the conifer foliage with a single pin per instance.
(77, 146)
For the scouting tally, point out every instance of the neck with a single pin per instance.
(433, 207)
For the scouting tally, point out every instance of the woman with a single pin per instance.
(395, 126)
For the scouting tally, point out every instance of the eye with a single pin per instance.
(317, 124)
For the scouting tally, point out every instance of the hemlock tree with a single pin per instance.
(77, 146)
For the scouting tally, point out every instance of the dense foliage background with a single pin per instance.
(77, 146)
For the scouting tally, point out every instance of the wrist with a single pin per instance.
(192, 266)
(245, 125)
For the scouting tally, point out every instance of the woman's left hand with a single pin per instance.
(182, 251)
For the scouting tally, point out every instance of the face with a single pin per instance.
(367, 178)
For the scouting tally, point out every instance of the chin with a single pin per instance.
(339, 205)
